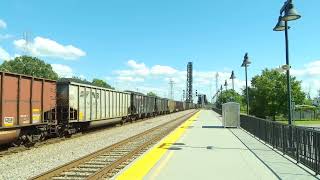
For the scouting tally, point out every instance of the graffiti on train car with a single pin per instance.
(86, 94)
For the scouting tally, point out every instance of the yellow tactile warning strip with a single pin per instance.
(144, 164)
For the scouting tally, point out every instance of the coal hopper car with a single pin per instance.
(161, 106)
(179, 106)
(82, 106)
(27, 106)
(142, 106)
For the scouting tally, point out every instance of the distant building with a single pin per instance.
(316, 101)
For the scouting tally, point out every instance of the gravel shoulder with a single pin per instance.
(35, 161)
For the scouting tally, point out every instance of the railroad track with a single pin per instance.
(4, 151)
(105, 163)
(18, 149)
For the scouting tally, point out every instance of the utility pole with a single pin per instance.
(217, 86)
(26, 49)
(189, 82)
(183, 95)
(171, 83)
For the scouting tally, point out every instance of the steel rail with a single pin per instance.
(98, 164)
(5, 151)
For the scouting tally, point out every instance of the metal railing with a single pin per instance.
(219, 111)
(300, 143)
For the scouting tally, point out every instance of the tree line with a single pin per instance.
(33, 66)
(267, 95)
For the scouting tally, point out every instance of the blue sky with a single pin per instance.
(142, 44)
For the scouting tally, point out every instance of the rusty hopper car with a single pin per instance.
(85, 106)
(185, 105)
(27, 106)
(172, 106)
(179, 106)
(188, 105)
(142, 106)
(161, 105)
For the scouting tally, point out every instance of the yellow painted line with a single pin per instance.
(161, 166)
(143, 165)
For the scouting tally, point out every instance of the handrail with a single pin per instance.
(298, 142)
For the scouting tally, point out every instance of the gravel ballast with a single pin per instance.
(35, 161)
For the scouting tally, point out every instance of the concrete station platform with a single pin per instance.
(201, 149)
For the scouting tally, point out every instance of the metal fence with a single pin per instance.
(300, 143)
(219, 111)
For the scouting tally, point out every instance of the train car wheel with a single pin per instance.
(17, 143)
(123, 121)
(28, 142)
(67, 135)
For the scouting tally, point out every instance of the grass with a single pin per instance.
(308, 122)
(303, 122)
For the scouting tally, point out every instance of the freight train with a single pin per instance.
(33, 109)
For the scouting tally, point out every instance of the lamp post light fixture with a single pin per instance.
(232, 77)
(289, 14)
(246, 62)
(226, 85)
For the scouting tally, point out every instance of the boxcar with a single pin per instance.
(84, 106)
(27, 106)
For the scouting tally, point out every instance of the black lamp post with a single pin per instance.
(232, 77)
(221, 91)
(290, 14)
(226, 85)
(245, 64)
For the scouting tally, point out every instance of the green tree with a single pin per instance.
(77, 80)
(268, 94)
(308, 101)
(151, 94)
(228, 96)
(101, 83)
(30, 66)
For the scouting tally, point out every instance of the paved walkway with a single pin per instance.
(208, 151)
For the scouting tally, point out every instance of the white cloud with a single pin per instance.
(156, 78)
(3, 24)
(45, 47)
(163, 70)
(140, 69)
(4, 55)
(311, 69)
(63, 70)
(135, 65)
(310, 75)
